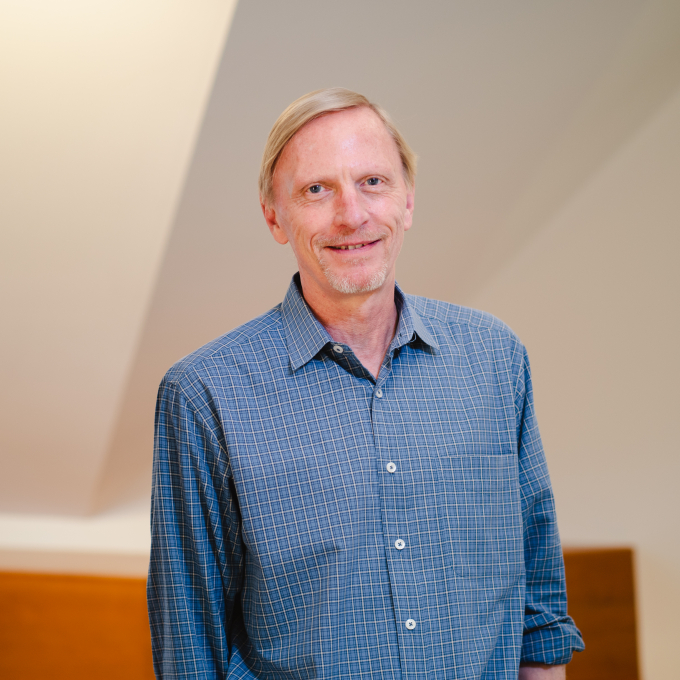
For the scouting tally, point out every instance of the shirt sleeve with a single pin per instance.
(195, 570)
(550, 636)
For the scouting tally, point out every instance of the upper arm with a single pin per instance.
(196, 554)
(550, 635)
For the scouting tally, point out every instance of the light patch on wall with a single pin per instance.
(102, 103)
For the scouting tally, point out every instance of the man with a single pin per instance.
(353, 484)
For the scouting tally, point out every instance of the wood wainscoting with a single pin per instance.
(601, 593)
(60, 627)
(96, 628)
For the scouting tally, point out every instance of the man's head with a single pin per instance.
(311, 106)
(337, 183)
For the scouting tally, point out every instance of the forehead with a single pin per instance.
(353, 137)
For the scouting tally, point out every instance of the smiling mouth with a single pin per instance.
(353, 247)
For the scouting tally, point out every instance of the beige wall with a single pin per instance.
(595, 297)
(101, 105)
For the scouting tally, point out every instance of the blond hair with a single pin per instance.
(311, 106)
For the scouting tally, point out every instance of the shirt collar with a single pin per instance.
(305, 336)
(410, 326)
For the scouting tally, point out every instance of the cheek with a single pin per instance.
(309, 226)
(302, 239)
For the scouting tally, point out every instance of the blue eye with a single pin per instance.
(315, 188)
(373, 181)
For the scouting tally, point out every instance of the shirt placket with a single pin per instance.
(398, 522)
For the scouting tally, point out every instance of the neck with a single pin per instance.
(366, 322)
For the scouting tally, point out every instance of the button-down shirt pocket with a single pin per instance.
(482, 509)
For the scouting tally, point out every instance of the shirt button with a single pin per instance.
(378, 393)
(399, 544)
(410, 624)
(338, 349)
(391, 467)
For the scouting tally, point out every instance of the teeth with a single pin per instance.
(361, 245)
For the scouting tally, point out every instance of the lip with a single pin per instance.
(351, 247)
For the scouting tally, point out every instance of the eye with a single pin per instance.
(373, 181)
(314, 189)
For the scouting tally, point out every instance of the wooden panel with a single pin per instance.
(73, 627)
(601, 595)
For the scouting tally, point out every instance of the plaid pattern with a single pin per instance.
(305, 516)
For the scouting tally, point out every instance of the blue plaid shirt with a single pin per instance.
(309, 521)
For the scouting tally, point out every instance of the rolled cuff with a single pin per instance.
(550, 640)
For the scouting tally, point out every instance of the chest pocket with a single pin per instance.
(483, 511)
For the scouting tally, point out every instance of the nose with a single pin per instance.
(350, 210)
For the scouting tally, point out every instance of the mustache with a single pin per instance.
(334, 241)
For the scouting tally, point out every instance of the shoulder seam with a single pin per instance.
(199, 357)
(175, 384)
(458, 315)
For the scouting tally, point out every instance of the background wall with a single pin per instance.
(594, 296)
(101, 106)
(548, 136)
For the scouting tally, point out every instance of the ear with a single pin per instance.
(408, 213)
(271, 218)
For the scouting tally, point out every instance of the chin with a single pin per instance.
(356, 283)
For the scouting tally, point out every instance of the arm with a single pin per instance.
(196, 559)
(550, 636)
